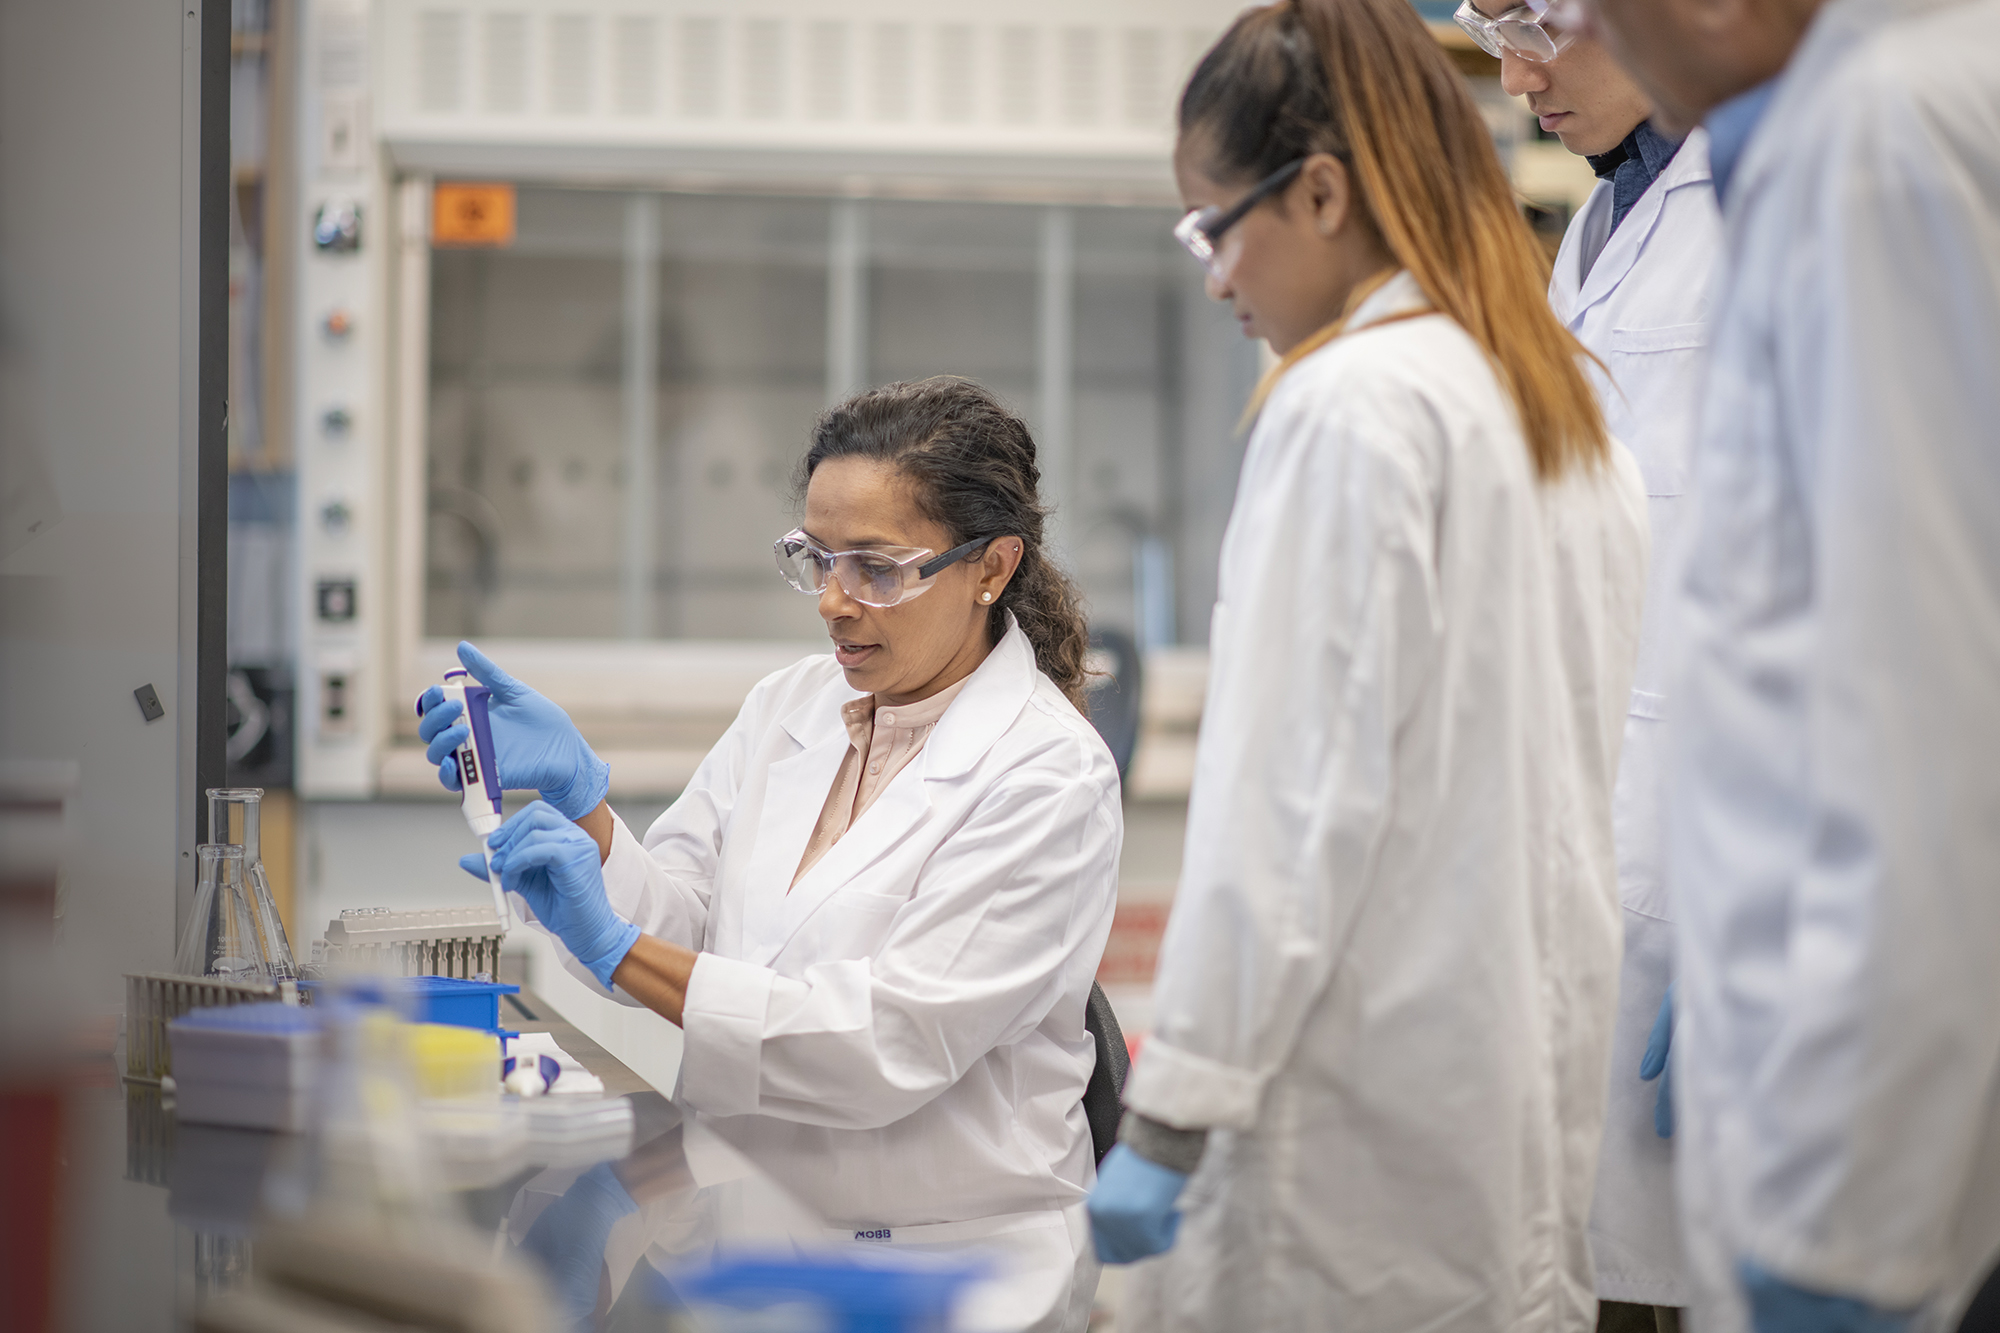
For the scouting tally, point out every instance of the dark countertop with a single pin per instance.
(160, 1217)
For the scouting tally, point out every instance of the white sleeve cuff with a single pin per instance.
(1189, 1091)
(723, 1019)
(626, 871)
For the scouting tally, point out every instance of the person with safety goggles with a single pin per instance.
(1631, 281)
(1373, 1092)
(1533, 31)
(877, 910)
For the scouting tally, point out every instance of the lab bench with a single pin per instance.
(167, 1215)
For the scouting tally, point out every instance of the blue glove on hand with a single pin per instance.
(1776, 1306)
(554, 865)
(536, 745)
(1654, 1064)
(1132, 1213)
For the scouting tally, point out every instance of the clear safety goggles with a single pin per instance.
(881, 576)
(1531, 31)
(1201, 231)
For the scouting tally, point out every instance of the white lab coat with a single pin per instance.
(1835, 797)
(1643, 309)
(1388, 981)
(899, 1038)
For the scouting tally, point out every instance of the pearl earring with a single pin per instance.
(985, 596)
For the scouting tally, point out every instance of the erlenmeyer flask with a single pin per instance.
(233, 817)
(223, 939)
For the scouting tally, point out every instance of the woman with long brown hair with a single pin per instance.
(1383, 1011)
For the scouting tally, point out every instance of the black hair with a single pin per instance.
(971, 467)
(1259, 99)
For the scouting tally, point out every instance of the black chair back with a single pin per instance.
(1114, 698)
(1101, 1096)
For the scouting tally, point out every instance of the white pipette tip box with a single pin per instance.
(250, 1065)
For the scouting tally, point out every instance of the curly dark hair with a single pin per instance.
(971, 465)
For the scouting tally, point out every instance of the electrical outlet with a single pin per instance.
(336, 704)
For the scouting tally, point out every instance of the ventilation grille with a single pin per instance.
(826, 71)
(764, 79)
(634, 63)
(1145, 88)
(506, 64)
(957, 79)
(440, 60)
(582, 64)
(1078, 79)
(571, 77)
(891, 73)
(701, 67)
(1018, 85)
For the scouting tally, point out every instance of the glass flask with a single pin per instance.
(233, 818)
(223, 938)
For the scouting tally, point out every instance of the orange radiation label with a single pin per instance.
(467, 214)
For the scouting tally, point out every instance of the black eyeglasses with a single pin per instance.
(1202, 230)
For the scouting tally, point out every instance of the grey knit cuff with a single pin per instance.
(1163, 1145)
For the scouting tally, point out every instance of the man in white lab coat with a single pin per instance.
(1834, 800)
(1632, 282)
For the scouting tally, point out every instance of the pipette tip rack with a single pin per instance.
(426, 941)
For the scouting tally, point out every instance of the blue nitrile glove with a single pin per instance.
(554, 865)
(536, 745)
(1654, 1064)
(1776, 1306)
(1132, 1213)
(569, 1238)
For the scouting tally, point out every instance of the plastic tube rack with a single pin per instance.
(433, 941)
(155, 999)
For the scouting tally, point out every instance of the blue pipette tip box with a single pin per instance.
(453, 1000)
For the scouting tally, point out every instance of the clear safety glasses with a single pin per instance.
(879, 577)
(1530, 31)
(1201, 231)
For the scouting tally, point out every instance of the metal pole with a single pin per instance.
(846, 299)
(1055, 348)
(641, 385)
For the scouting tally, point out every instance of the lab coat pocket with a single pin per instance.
(853, 923)
(1659, 371)
(862, 900)
(1668, 338)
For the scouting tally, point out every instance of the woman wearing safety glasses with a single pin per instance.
(878, 907)
(1372, 1097)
